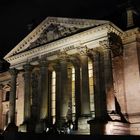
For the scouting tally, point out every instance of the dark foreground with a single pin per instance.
(43, 136)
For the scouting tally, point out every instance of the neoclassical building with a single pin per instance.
(82, 71)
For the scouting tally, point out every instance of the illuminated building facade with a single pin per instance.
(73, 70)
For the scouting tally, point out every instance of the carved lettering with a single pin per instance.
(69, 48)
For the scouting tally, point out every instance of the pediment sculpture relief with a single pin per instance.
(53, 32)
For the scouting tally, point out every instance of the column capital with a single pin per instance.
(56, 67)
(63, 55)
(75, 61)
(82, 50)
(13, 71)
(105, 45)
(113, 43)
(43, 63)
(27, 67)
(61, 61)
(92, 52)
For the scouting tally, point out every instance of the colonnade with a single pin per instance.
(104, 100)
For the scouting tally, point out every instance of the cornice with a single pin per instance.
(131, 35)
(5, 76)
(113, 28)
(131, 32)
(76, 22)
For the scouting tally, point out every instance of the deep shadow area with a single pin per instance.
(44, 136)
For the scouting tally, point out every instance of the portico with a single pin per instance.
(74, 78)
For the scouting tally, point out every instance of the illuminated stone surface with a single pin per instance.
(65, 44)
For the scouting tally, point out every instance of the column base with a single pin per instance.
(61, 124)
(83, 126)
(41, 126)
(97, 126)
(27, 126)
(104, 127)
(10, 132)
(11, 128)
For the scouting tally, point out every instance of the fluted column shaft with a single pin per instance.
(99, 95)
(108, 80)
(44, 89)
(27, 92)
(85, 98)
(12, 100)
(64, 93)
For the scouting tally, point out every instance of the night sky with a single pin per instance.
(16, 15)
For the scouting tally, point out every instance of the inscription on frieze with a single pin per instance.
(69, 48)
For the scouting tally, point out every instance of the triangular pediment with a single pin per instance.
(53, 32)
(52, 29)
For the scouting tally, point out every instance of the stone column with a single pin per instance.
(64, 97)
(44, 97)
(99, 95)
(108, 79)
(85, 98)
(27, 92)
(97, 124)
(77, 93)
(83, 127)
(12, 100)
(44, 89)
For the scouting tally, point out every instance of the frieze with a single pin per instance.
(82, 50)
(53, 53)
(69, 48)
(34, 59)
(131, 35)
(131, 32)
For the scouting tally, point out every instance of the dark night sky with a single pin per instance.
(15, 15)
